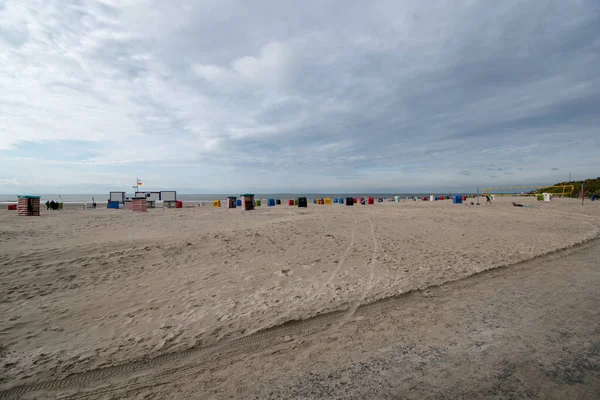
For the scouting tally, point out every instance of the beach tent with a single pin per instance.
(28, 205)
(341, 201)
(350, 201)
(301, 202)
(258, 203)
(278, 201)
(231, 202)
(238, 202)
(216, 203)
(314, 201)
(458, 199)
(336, 200)
(139, 204)
(247, 201)
(328, 201)
(178, 204)
(370, 200)
(290, 202)
(271, 203)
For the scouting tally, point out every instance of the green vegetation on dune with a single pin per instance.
(592, 186)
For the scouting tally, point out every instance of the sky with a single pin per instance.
(288, 96)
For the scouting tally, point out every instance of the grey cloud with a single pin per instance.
(430, 91)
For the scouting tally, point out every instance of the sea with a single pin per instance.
(103, 198)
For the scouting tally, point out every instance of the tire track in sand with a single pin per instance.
(369, 284)
(318, 291)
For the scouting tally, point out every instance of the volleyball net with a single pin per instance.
(556, 190)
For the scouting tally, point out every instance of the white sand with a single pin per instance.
(83, 289)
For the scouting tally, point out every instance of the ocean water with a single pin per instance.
(103, 198)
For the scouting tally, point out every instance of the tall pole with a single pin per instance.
(582, 193)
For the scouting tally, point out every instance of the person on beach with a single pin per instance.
(517, 204)
(52, 205)
(488, 200)
(47, 205)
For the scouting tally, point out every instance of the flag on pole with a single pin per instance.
(139, 183)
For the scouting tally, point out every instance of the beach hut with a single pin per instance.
(119, 197)
(178, 204)
(238, 202)
(464, 198)
(355, 200)
(278, 201)
(335, 200)
(342, 200)
(295, 202)
(328, 201)
(258, 203)
(216, 203)
(271, 203)
(431, 198)
(139, 204)
(458, 199)
(302, 202)
(291, 202)
(231, 202)
(247, 201)
(397, 199)
(371, 200)
(314, 201)
(28, 205)
(350, 201)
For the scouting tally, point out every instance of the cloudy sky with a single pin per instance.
(220, 96)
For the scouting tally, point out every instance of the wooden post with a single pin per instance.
(582, 193)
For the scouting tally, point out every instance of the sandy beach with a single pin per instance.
(85, 289)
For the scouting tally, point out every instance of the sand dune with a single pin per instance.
(84, 289)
